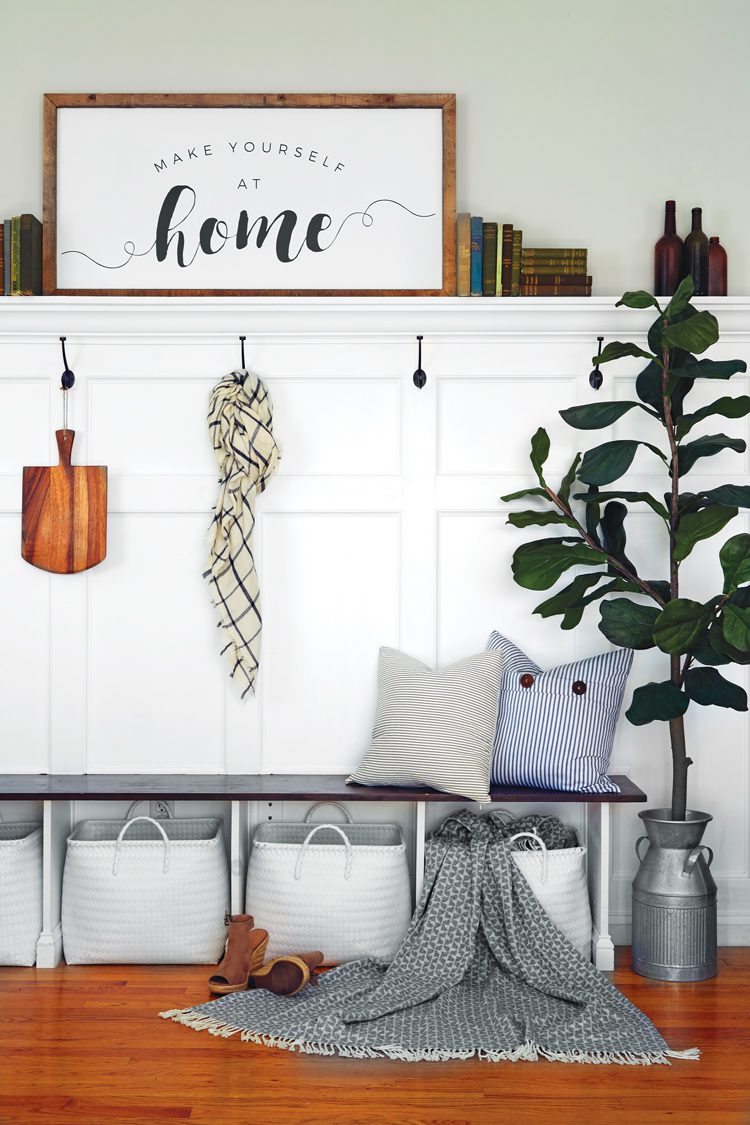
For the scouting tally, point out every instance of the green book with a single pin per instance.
(463, 254)
(572, 266)
(515, 263)
(537, 252)
(15, 256)
(489, 259)
(30, 267)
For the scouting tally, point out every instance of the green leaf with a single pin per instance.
(536, 491)
(695, 334)
(737, 626)
(531, 518)
(539, 452)
(628, 624)
(597, 415)
(733, 495)
(654, 701)
(680, 299)
(691, 368)
(567, 481)
(708, 687)
(727, 407)
(538, 565)
(568, 596)
(696, 526)
(680, 624)
(629, 497)
(718, 641)
(638, 299)
(617, 350)
(606, 463)
(613, 538)
(707, 446)
(734, 557)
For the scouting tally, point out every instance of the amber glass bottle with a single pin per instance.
(668, 255)
(696, 255)
(717, 268)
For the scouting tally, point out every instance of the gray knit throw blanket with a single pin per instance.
(481, 971)
(240, 421)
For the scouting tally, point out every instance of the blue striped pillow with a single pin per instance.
(555, 729)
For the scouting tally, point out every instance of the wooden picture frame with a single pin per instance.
(104, 176)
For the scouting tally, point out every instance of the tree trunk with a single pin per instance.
(680, 764)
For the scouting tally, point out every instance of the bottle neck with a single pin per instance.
(697, 216)
(669, 217)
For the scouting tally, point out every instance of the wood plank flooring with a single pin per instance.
(84, 1046)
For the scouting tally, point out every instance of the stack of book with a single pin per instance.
(21, 256)
(492, 262)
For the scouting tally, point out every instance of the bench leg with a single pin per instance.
(55, 831)
(419, 838)
(598, 851)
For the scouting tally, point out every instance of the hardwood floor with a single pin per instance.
(85, 1046)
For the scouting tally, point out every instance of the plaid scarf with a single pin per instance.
(240, 421)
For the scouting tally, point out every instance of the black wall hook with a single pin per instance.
(242, 346)
(419, 376)
(67, 379)
(596, 378)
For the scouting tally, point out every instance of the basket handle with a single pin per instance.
(537, 840)
(308, 838)
(125, 827)
(333, 804)
(139, 801)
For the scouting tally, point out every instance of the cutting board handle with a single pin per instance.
(65, 445)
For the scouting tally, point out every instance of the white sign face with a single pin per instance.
(247, 198)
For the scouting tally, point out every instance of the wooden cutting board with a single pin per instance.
(64, 525)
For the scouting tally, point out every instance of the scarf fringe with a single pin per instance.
(526, 1052)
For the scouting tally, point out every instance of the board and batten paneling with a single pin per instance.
(383, 525)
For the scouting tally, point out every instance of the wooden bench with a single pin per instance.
(58, 791)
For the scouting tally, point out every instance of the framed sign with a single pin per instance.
(232, 194)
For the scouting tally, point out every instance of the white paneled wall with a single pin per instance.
(383, 525)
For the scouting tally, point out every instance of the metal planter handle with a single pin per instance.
(692, 859)
(308, 838)
(638, 843)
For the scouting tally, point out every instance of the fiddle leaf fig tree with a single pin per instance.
(590, 508)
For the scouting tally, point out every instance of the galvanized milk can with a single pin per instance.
(674, 900)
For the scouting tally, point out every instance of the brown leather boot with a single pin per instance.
(243, 955)
(286, 976)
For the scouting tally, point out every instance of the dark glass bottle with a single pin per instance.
(668, 255)
(696, 255)
(717, 268)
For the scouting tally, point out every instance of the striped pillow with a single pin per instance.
(555, 729)
(434, 728)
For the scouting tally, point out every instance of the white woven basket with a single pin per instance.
(557, 876)
(342, 889)
(145, 892)
(20, 892)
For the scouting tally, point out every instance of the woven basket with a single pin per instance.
(143, 891)
(557, 876)
(342, 889)
(20, 892)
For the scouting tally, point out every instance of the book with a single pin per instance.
(572, 266)
(507, 258)
(30, 256)
(475, 287)
(6, 263)
(463, 254)
(515, 263)
(538, 252)
(533, 290)
(489, 259)
(15, 256)
(556, 279)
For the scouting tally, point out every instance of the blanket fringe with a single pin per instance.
(526, 1052)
